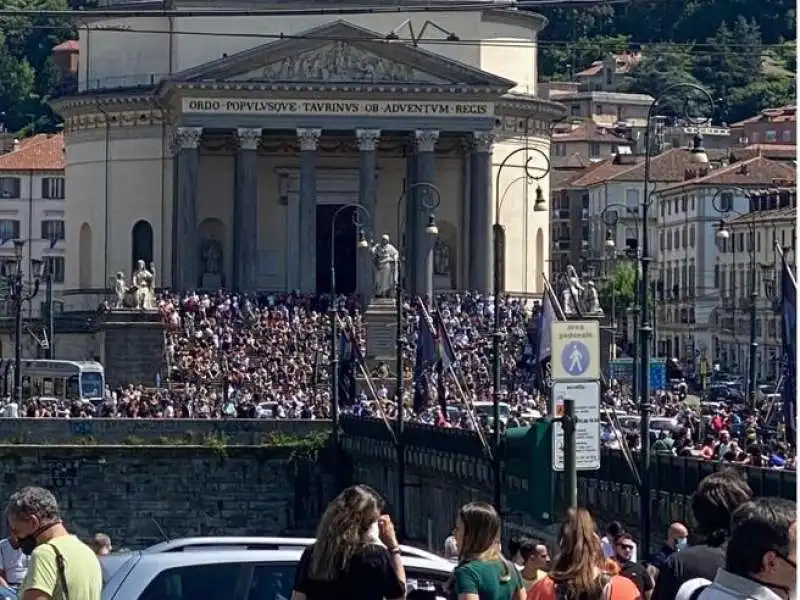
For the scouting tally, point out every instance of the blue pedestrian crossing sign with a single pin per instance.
(575, 347)
(575, 358)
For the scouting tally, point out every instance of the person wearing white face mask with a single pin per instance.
(677, 538)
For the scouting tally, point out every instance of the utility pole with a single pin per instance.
(568, 423)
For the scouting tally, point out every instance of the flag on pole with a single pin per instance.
(426, 357)
(444, 347)
(789, 345)
(347, 378)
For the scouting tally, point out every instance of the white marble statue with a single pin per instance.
(153, 283)
(120, 288)
(386, 259)
(592, 300)
(142, 280)
(573, 293)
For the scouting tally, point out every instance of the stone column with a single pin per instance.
(308, 138)
(185, 239)
(426, 172)
(481, 219)
(367, 197)
(246, 255)
(408, 244)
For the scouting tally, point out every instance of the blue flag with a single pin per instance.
(444, 347)
(789, 344)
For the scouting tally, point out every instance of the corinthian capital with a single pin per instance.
(188, 138)
(426, 139)
(248, 138)
(367, 139)
(482, 141)
(308, 138)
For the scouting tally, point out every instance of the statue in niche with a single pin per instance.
(211, 264)
(573, 292)
(441, 259)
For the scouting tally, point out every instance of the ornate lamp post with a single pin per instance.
(19, 292)
(723, 235)
(498, 235)
(361, 243)
(430, 199)
(697, 108)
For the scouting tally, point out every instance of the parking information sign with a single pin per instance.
(587, 432)
(575, 350)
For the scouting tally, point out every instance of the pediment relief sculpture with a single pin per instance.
(339, 62)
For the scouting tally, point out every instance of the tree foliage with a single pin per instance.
(617, 291)
(737, 49)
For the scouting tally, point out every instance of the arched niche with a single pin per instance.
(85, 257)
(211, 254)
(445, 257)
(141, 243)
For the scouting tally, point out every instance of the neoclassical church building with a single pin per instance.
(220, 148)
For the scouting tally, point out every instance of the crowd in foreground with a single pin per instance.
(738, 548)
(231, 356)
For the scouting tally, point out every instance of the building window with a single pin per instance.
(9, 187)
(52, 229)
(9, 230)
(770, 136)
(594, 150)
(691, 236)
(716, 276)
(53, 188)
(786, 136)
(726, 202)
(683, 238)
(54, 265)
(575, 110)
(661, 241)
(632, 198)
(684, 203)
(599, 109)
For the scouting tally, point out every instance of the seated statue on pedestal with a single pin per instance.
(386, 258)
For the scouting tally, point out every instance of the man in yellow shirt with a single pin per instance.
(61, 566)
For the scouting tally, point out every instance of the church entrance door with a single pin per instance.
(344, 249)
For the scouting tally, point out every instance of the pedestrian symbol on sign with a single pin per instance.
(575, 358)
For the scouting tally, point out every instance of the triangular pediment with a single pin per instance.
(340, 53)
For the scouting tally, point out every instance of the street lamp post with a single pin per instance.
(530, 174)
(361, 242)
(610, 217)
(430, 200)
(723, 235)
(19, 292)
(696, 115)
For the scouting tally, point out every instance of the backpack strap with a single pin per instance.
(61, 569)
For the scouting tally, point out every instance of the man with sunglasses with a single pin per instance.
(624, 548)
(760, 558)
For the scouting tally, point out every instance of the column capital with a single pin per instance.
(367, 139)
(308, 138)
(482, 141)
(188, 138)
(248, 138)
(426, 139)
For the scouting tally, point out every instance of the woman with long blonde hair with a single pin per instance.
(482, 572)
(579, 571)
(356, 555)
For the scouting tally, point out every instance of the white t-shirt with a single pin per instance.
(13, 562)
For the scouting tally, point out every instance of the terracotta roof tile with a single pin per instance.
(781, 114)
(41, 152)
(758, 172)
(573, 161)
(603, 171)
(69, 45)
(787, 213)
(773, 151)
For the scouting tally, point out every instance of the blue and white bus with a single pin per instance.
(57, 379)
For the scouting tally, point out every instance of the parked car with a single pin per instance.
(237, 569)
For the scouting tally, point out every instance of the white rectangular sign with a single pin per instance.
(587, 432)
(335, 108)
(575, 350)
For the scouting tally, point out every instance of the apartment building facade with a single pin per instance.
(771, 126)
(33, 207)
(693, 314)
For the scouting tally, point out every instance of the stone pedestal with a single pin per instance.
(133, 347)
(380, 320)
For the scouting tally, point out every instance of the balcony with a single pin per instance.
(144, 80)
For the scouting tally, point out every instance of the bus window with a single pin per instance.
(48, 387)
(73, 389)
(92, 385)
(27, 390)
(58, 387)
